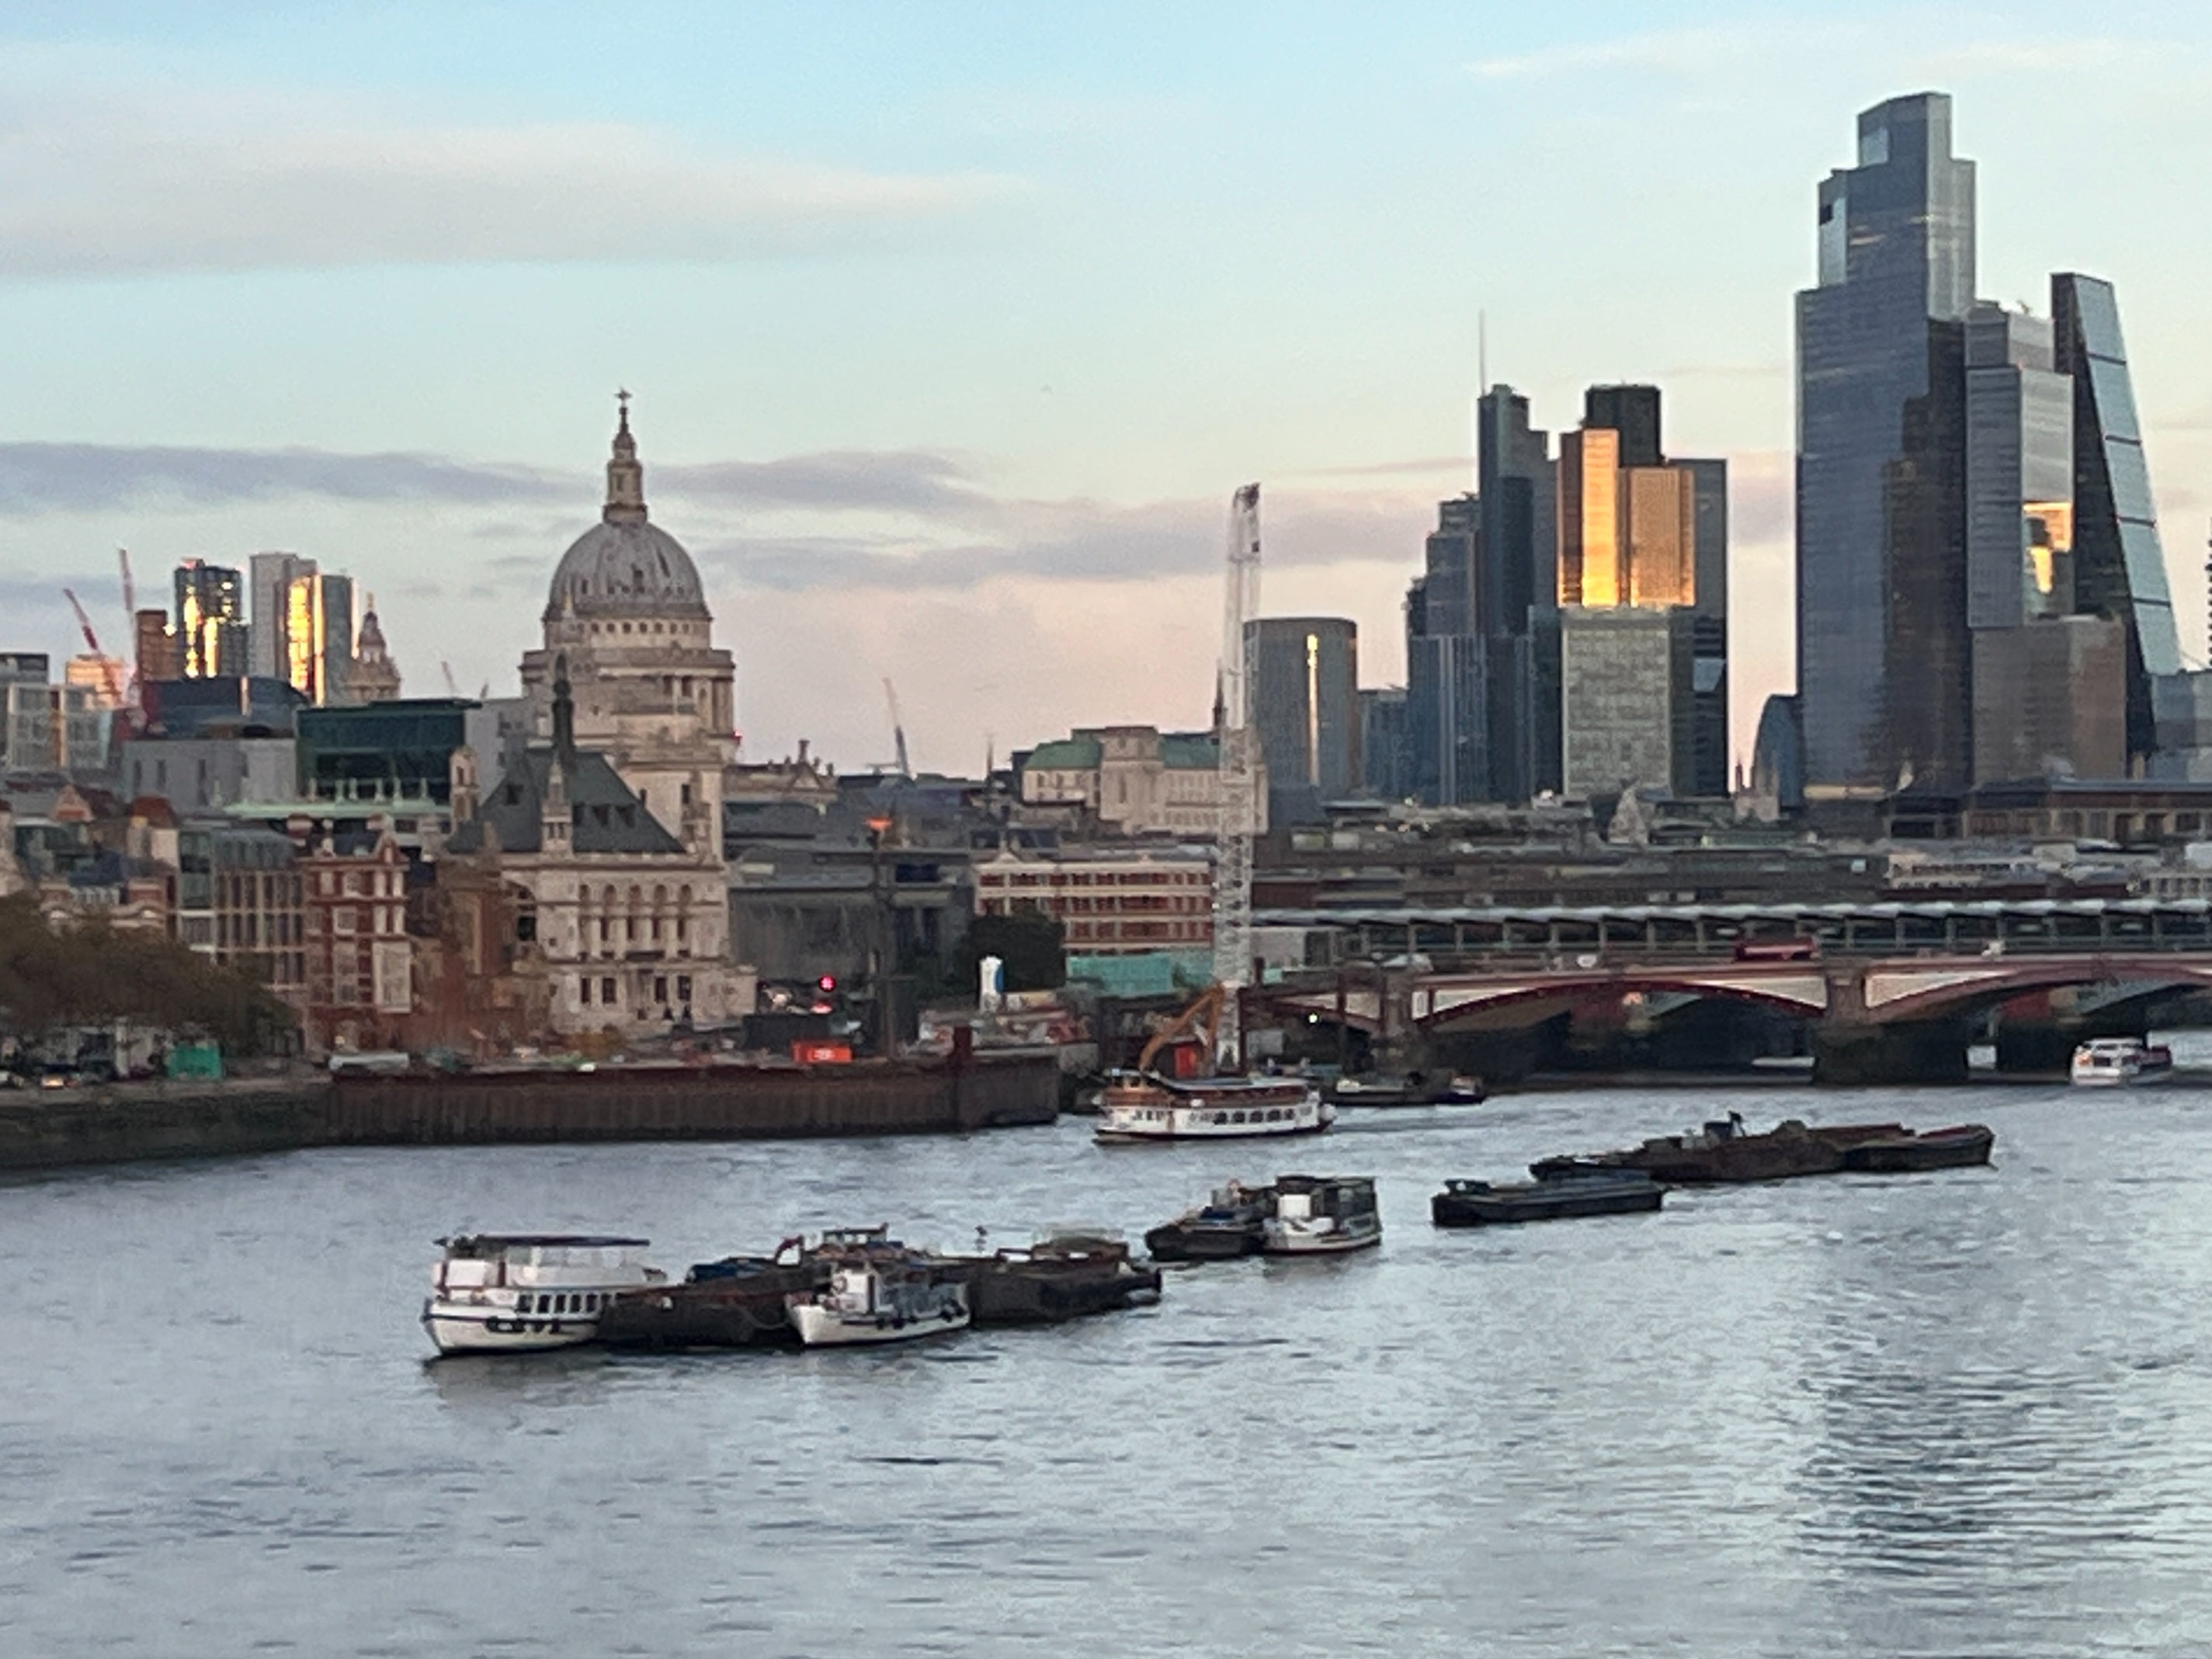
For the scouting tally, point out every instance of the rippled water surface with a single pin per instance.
(1963, 1413)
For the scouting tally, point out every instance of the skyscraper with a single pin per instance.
(1305, 704)
(269, 577)
(318, 637)
(211, 631)
(1882, 650)
(1446, 708)
(2119, 566)
(1643, 661)
(1516, 497)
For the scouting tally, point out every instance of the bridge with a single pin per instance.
(1890, 991)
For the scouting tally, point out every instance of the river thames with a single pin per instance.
(1960, 1413)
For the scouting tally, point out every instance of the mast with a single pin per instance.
(1239, 772)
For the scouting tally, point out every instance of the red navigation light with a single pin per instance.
(827, 981)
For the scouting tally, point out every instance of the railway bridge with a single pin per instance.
(1891, 992)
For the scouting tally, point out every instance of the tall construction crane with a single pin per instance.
(1239, 773)
(898, 729)
(111, 671)
(134, 670)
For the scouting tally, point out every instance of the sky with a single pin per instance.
(951, 329)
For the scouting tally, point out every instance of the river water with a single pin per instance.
(1961, 1413)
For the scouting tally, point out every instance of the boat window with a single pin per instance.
(522, 1303)
(1236, 1117)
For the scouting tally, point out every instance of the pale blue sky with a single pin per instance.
(953, 327)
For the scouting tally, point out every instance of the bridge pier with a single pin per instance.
(1852, 1054)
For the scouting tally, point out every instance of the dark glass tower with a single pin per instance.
(1513, 469)
(2119, 568)
(1446, 707)
(1882, 645)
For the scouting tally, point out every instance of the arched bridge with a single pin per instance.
(1907, 974)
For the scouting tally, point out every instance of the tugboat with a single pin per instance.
(1597, 1192)
(877, 1291)
(2120, 1062)
(520, 1292)
(1230, 1223)
(1142, 1105)
(1321, 1215)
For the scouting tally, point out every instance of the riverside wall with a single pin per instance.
(58, 1128)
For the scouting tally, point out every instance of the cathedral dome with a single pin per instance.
(623, 566)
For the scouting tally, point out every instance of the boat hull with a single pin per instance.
(456, 1330)
(1182, 1241)
(1282, 1240)
(1941, 1149)
(1545, 1200)
(1782, 1154)
(827, 1328)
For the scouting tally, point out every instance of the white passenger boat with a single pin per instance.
(879, 1298)
(2121, 1062)
(516, 1292)
(1321, 1215)
(1140, 1107)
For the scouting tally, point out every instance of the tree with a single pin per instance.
(90, 975)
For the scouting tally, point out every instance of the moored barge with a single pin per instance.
(1582, 1192)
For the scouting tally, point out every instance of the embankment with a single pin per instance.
(54, 1129)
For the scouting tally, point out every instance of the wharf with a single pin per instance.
(51, 1129)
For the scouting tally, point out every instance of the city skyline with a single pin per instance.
(879, 441)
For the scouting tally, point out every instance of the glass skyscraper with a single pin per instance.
(2119, 567)
(1882, 650)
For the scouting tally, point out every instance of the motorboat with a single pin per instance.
(518, 1292)
(1579, 1192)
(876, 1290)
(1137, 1107)
(2121, 1062)
(1230, 1223)
(1455, 1089)
(1962, 1146)
(1320, 1215)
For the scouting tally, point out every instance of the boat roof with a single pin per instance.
(528, 1241)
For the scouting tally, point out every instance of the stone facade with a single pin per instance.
(1134, 779)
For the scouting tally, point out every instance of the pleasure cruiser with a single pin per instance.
(1138, 1108)
(516, 1292)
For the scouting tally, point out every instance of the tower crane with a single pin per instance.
(109, 668)
(1239, 773)
(135, 671)
(898, 729)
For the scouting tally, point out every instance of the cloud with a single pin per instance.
(49, 478)
(914, 481)
(98, 178)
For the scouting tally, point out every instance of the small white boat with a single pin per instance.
(1140, 1107)
(879, 1298)
(520, 1292)
(1321, 1215)
(2121, 1062)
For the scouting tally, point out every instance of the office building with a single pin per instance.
(2119, 566)
(104, 676)
(318, 637)
(211, 626)
(1446, 707)
(1882, 647)
(1516, 497)
(156, 653)
(54, 728)
(2048, 685)
(1304, 687)
(1625, 717)
(269, 580)
(1635, 532)
(1384, 761)
(1710, 631)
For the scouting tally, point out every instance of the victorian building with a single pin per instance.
(652, 693)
